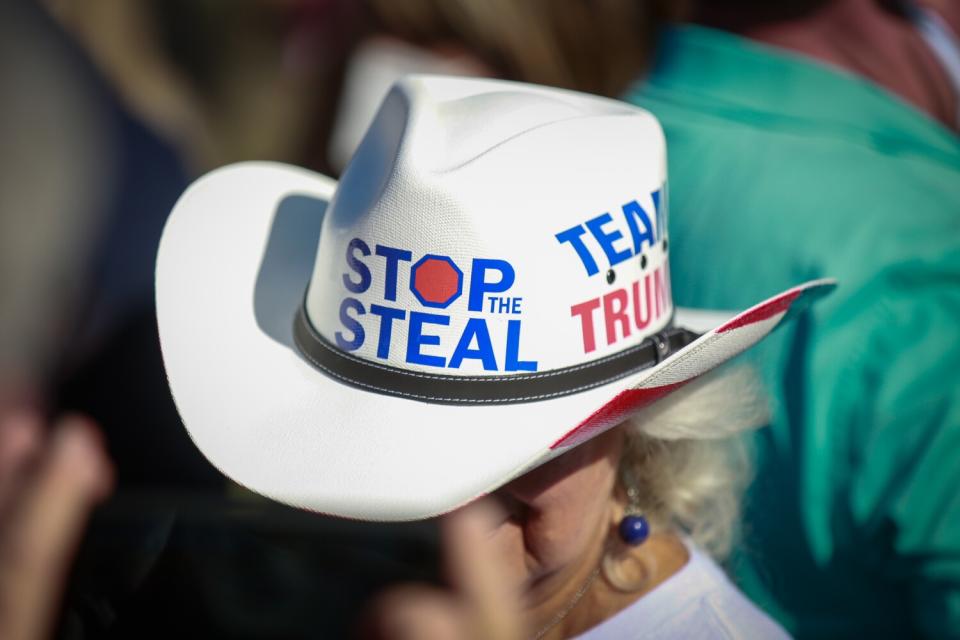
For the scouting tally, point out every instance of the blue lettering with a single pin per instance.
(357, 265)
(351, 324)
(513, 362)
(387, 316)
(476, 327)
(479, 285)
(606, 240)
(633, 210)
(572, 235)
(415, 338)
(393, 257)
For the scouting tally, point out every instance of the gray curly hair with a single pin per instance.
(688, 459)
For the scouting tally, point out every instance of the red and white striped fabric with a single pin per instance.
(708, 351)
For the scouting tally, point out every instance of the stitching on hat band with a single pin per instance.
(494, 389)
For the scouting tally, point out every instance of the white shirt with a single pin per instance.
(697, 602)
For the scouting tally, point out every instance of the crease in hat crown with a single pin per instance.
(488, 228)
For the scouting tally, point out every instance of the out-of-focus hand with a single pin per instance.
(479, 606)
(48, 486)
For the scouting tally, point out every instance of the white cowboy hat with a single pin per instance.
(486, 287)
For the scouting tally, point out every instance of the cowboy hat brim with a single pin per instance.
(235, 258)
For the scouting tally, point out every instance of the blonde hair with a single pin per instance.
(688, 459)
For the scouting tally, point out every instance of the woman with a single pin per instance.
(489, 299)
(612, 540)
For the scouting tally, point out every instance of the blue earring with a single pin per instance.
(634, 527)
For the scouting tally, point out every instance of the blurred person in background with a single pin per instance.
(48, 487)
(85, 190)
(827, 137)
(221, 82)
(60, 176)
(101, 132)
(56, 175)
(594, 47)
(56, 172)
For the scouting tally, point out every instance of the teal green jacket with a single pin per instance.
(782, 170)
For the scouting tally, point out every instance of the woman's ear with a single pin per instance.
(617, 504)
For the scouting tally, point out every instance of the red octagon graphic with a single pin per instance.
(436, 281)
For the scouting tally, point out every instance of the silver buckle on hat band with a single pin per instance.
(662, 343)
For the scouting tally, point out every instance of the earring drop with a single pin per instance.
(634, 528)
(625, 571)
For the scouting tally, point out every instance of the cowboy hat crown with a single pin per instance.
(494, 229)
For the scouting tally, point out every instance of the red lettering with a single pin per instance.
(640, 318)
(666, 272)
(658, 291)
(613, 316)
(585, 311)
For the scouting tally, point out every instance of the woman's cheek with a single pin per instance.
(557, 535)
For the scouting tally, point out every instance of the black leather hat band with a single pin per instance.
(492, 389)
